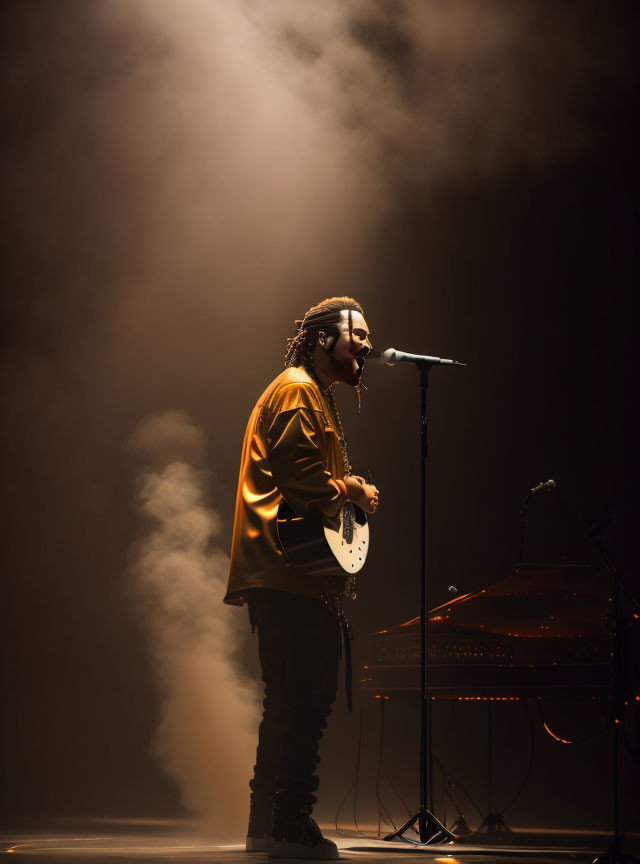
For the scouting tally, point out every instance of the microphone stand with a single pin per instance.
(429, 829)
(549, 485)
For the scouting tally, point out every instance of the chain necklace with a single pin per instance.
(327, 394)
(348, 514)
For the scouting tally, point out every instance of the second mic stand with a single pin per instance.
(429, 829)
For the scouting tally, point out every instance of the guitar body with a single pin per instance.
(313, 549)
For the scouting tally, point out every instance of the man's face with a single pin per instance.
(351, 347)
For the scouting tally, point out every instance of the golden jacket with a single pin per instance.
(291, 450)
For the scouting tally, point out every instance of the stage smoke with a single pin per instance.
(181, 180)
(207, 733)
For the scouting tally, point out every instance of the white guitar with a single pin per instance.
(314, 549)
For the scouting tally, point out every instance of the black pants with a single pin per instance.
(299, 645)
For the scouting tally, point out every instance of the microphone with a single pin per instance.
(392, 355)
(548, 485)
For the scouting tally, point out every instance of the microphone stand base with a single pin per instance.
(494, 828)
(427, 830)
(460, 828)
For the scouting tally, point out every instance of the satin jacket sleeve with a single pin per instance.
(296, 444)
(291, 452)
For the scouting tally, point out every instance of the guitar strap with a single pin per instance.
(334, 602)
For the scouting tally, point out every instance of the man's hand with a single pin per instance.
(362, 493)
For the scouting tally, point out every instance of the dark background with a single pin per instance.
(161, 235)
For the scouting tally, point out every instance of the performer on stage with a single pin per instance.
(294, 450)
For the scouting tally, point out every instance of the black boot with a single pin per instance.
(296, 835)
(260, 823)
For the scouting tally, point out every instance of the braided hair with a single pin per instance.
(324, 316)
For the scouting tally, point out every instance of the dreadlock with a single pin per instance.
(324, 316)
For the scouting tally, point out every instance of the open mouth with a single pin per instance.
(360, 364)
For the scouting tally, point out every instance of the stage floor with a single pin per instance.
(155, 842)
